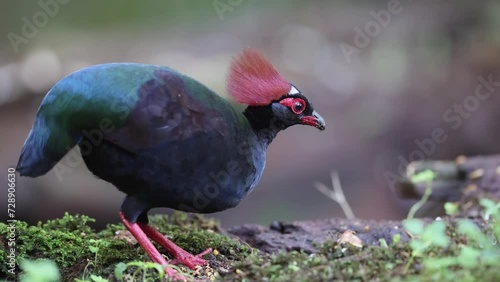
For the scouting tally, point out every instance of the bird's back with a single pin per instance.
(132, 106)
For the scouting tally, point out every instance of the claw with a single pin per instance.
(142, 231)
(190, 260)
(173, 274)
(179, 254)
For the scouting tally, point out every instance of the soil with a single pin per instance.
(306, 235)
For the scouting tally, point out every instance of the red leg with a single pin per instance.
(152, 252)
(179, 254)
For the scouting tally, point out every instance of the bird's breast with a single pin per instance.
(205, 173)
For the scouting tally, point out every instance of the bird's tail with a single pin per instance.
(37, 158)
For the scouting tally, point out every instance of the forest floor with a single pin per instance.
(462, 246)
(323, 250)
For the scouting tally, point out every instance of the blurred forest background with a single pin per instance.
(384, 74)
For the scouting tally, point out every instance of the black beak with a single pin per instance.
(314, 120)
(320, 122)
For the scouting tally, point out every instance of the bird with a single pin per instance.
(165, 139)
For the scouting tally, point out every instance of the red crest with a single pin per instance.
(253, 80)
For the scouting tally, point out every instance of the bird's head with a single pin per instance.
(253, 81)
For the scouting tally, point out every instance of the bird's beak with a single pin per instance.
(314, 120)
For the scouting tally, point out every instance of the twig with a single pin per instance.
(337, 194)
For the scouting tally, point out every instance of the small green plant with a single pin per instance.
(451, 209)
(95, 245)
(395, 240)
(490, 209)
(434, 234)
(383, 243)
(478, 250)
(425, 176)
(41, 270)
(93, 278)
(425, 236)
(139, 271)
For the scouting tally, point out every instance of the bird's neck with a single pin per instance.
(264, 124)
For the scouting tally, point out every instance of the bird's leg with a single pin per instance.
(180, 255)
(150, 249)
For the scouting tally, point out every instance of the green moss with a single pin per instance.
(80, 252)
(333, 262)
(456, 250)
(83, 255)
(62, 240)
(194, 233)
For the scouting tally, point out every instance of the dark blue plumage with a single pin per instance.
(209, 164)
(164, 139)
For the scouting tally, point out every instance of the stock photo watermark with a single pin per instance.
(454, 118)
(92, 138)
(32, 25)
(219, 181)
(11, 221)
(364, 36)
(224, 6)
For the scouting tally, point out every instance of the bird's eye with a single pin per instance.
(299, 106)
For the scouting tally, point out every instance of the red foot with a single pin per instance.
(142, 231)
(190, 260)
(180, 255)
(150, 249)
(173, 274)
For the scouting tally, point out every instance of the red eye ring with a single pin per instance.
(297, 105)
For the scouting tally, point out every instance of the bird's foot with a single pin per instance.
(151, 250)
(190, 260)
(179, 254)
(173, 274)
